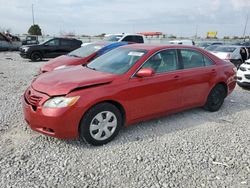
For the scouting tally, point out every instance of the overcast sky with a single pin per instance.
(180, 17)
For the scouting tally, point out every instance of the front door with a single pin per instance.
(159, 93)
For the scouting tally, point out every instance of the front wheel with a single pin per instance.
(215, 98)
(100, 124)
(36, 56)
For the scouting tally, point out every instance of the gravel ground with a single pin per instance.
(194, 148)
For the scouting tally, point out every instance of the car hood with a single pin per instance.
(63, 81)
(63, 60)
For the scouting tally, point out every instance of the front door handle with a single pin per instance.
(176, 77)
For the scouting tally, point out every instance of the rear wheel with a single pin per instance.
(100, 124)
(215, 98)
(36, 56)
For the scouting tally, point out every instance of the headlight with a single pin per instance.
(60, 67)
(60, 102)
(25, 49)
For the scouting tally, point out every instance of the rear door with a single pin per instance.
(159, 93)
(197, 77)
(66, 46)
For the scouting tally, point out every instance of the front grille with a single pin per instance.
(243, 69)
(239, 78)
(247, 76)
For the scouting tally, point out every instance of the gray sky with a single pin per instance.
(178, 17)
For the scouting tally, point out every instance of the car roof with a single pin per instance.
(106, 43)
(230, 46)
(158, 46)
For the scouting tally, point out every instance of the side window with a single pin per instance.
(128, 39)
(138, 39)
(66, 42)
(163, 61)
(53, 42)
(193, 59)
(207, 61)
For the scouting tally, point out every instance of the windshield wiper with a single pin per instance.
(72, 55)
(89, 67)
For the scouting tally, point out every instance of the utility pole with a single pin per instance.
(244, 33)
(196, 31)
(33, 15)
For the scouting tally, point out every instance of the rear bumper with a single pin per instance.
(60, 123)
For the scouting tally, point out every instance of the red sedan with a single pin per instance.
(124, 86)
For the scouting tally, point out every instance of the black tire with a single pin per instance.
(215, 98)
(90, 116)
(36, 56)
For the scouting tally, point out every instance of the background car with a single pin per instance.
(129, 84)
(211, 48)
(183, 42)
(82, 55)
(243, 75)
(125, 37)
(204, 45)
(230, 53)
(49, 49)
(30, 39)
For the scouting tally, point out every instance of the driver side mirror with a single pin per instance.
(145, 72)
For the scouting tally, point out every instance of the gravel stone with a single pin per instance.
(193, 148)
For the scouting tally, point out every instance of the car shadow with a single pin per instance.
(149, 130)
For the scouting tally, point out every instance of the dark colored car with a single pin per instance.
(129, 84)
(31, 39)
(82, 55)
(49, 49)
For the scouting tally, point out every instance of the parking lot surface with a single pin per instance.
(194, 148)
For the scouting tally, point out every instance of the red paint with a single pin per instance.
(141, 97)
(65, 60)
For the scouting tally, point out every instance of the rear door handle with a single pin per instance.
(176, 77)
(213, 71)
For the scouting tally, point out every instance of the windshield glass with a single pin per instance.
(225, 49)
(117, 61)
(112, 38)
(86, 50)
(204, 44)
(211, 47)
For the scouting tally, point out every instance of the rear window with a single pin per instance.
(67, 42)
(86, 50)
(225, 49)
(113, 38)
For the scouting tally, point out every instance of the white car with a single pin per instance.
(136, 38)
(229, 53)
(184, 42)
(243, 75)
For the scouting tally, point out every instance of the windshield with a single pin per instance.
(211, 47)
(117, 61)
(112, 38)
(86, 50)
(204, 44)
(225, 49)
